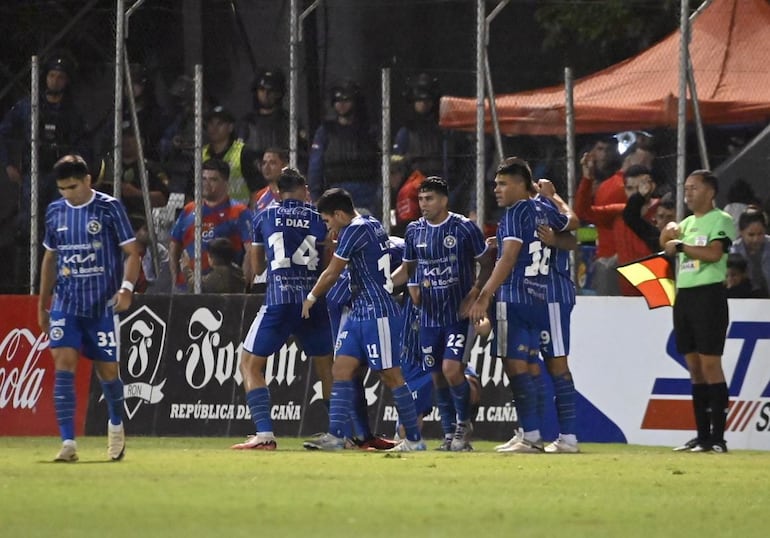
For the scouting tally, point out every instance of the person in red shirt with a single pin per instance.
(603, 207)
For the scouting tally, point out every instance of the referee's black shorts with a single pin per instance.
(701, 319)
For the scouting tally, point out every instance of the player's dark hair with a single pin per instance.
(750, 216)
(516, 166)
(335, 199)
(219, 166)
(72, 165)
(434, 184)
(290, 180)
(708, 177)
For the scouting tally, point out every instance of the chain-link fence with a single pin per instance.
(309, 59)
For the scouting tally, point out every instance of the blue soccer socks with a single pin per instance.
(446, 409)
(407, 413)
(564, 390)
(258, 401)
(339, 409)
(64, 403)
(113, 394)
(460, 397)
(526, 402)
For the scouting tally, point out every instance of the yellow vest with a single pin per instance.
(237, 188)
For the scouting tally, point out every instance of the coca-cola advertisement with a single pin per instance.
(27, 374)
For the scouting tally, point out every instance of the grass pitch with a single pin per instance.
(198, 487)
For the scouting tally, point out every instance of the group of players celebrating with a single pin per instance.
(451, 275)
(332, 271)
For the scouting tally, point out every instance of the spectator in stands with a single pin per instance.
(149, 280)
(245, 177)
(344, 153)
(153, 119)
(606, 158)
(610, 195)
(738, 283)
(177, 145)
(225, 276)
(61, 131)
(222, 217)
(274, 159)
(754, 245)
(9, 206)
(131, 186)
(634, 214)
(740, 196)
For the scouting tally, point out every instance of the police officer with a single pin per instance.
(245, 177)
(267, 125)
(344, 153)
(60, 132)
(422, 143)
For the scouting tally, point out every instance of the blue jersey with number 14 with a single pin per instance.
(364, 245)
(292, 233)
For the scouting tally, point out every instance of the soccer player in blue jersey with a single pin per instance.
(87, 276)
(418, 376)
(288, 241)
(519, 280)
(555, 334)
(371, 335)
(338, 302)
(442, 249)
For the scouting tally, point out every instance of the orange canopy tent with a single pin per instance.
(729, 50)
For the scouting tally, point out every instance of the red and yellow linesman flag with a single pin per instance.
(654, 277)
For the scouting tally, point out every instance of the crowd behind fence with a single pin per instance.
(170, 111)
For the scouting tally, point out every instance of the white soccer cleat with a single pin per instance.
(68, 452)
(258, 441)
(461, 442)
(518, 436)
(409, 446)
(562, 446)
(324, 441)
(116, 441)
(524, 447)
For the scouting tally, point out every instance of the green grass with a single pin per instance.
(198, 487)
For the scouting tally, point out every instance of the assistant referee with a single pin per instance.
(702, 242)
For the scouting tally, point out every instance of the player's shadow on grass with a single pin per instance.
(79, 462)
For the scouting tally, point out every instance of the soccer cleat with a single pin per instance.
(461, 442)
(518, 436)
(446, 444)
(68, 452)
(561, 446)
(720, 447)
(701, 447)
(377, 442)
(688, 446)
(257, 442)
(523, 446)
(409, 446)
(116, 441)
(324, 441)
